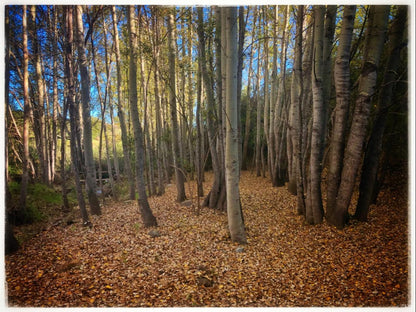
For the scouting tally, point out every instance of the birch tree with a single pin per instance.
(232, 165)
(342, 87)
(367, 82)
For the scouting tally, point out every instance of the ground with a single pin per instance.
(193, 263)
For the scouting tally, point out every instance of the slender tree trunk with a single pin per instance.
(191, 91)
(296, 97)
(90, 178)
(159, 139)
(374, 146)
(26, 117)
(232, 165)
(212, 198)
(259, 109)
(120, 110)
(241, 35)
(55, 102)
(148, 146)
(266, 105)
(146, 213)
(177, 161)
(38, 104)
(314, 213)
(74, 112)
(199, 147)
(366, 88)
(249, 103)
(108, 96)
(342, 87)
(272, 101)
(280, 125)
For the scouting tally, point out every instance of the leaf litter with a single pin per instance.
(190, 261)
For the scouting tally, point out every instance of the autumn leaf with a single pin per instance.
(287, 263)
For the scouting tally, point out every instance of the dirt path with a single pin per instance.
(193, 263)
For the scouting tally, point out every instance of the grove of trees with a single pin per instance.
(313, 98)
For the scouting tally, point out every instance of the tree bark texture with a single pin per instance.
(90, 179)
(342, 87)
(375, 144)
(366, 88)
(232, 165)
(296, 97)
(146, 213)
(314, 213)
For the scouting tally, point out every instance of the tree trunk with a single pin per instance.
(266, 100)
(314, 213)
(177, 161)
(199, 164)
(280, 166)
(213, 197)
(147, 214)
(366, 88)
(249, 102)
(374, 146)
(296, 133)
(259, 109)
(159, 134)
(26, 116)
(342, 87)
(39, 107)
(232, 165)
(90, 178)
(241, 35)
(55, 102)
(120, 110)
(74, 112)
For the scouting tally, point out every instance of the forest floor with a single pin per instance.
(193, 263)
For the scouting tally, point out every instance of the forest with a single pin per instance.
(191, 156)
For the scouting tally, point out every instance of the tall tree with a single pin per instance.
(73, 111)
(177, 160)
(296, 118)
(39, 103)
(159, 135)
(374, 146)
(120, 110)
(280, 117)
(26, 117)
(376, 30)
(213, 198)
(232, 164)
(342, 87)
(146, 213)
(90, 179)
(314, 213)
